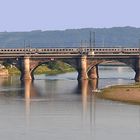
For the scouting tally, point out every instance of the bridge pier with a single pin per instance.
(93, 84)
(82, 70)
(25, 69)
(137, 69)
(93, 72)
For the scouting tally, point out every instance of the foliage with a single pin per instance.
(13, 70)
(6, 64)
(126, 36)
(49, 68)
(53, 65)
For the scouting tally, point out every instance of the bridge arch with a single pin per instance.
(35, 65)
(92, 69)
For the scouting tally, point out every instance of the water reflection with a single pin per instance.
(64, 108)
(27, 95)
(29, 92)
(83, 86)
(32, 93)
(88, 88)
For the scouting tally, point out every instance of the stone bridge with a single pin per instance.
(86, 65)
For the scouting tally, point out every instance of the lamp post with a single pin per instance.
(24, 48)
(92, 39)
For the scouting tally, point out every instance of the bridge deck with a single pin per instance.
(70, 52)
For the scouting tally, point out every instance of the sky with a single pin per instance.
(27, 15)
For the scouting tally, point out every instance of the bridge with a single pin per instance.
(84, 60)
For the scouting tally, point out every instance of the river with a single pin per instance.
(59, 108)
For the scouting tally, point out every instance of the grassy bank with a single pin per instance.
(3, 72)
(123, 93)
(49, 69)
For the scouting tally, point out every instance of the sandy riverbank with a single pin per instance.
(124, 93)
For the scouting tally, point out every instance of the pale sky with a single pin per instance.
(27, 15)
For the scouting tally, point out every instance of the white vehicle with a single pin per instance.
(91, 53)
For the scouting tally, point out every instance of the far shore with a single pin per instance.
(50, 69)
(123, 93)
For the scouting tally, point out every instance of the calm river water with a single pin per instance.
(59, 108)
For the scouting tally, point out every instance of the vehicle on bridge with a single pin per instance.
(91, 53)
(71, 51)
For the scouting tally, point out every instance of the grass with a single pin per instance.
(13, 71)
(60, 67)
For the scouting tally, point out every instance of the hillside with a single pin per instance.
(104, 37)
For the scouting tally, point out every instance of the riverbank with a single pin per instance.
(3, 72)
(123, 93)
(49, 69)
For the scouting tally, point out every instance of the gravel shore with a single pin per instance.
(124, 93)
